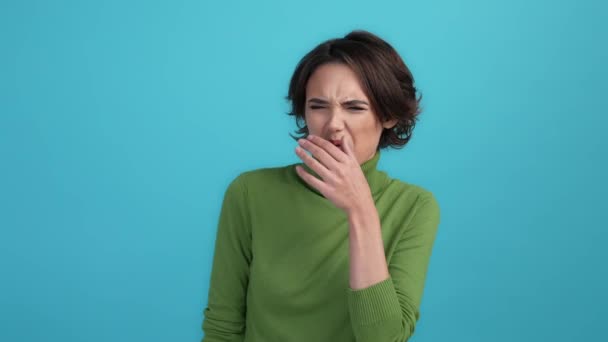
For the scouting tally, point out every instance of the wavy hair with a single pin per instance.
(384, 77)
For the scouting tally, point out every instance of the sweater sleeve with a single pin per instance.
(225, 312)
(388, 310)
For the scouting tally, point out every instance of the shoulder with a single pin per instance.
(262, 178)
(264, 173)
(415, 196)
(420, 193)
(419, 210)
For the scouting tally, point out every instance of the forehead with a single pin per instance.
(334, 81)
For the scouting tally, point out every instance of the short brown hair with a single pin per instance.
(384, 77)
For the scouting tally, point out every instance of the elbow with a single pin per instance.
(399, 329)
(408, 325)
(222, 328)
(404, 329)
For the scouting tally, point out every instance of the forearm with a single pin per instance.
(388, 310)
(367, 257)
(373, 303)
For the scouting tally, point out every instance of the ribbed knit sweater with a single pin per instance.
(280, 268)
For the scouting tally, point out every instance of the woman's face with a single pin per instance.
(336, 106)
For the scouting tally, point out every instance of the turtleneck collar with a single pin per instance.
(376, 179)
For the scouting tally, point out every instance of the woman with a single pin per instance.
(329, 249)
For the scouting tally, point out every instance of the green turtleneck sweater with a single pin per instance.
(281, 265)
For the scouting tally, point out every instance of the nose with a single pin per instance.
(336, 120)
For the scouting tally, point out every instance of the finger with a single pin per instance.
(311, 180)
(330, 149)
(347, 143)
(314, 164)
(319, 152)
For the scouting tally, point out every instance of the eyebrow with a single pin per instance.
(350, 102)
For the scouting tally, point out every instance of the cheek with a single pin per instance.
(365, 135)
(313, 120)
(365, 130)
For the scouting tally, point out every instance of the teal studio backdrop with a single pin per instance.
(122, 123)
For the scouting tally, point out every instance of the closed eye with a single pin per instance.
(351, 108)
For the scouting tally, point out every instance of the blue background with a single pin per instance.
(122, 123)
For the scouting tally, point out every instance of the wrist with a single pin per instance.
(362, 210)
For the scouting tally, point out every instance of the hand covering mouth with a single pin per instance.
(337, 143)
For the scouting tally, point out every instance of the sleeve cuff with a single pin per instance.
(378, 302)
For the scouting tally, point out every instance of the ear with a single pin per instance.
(390, 123)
